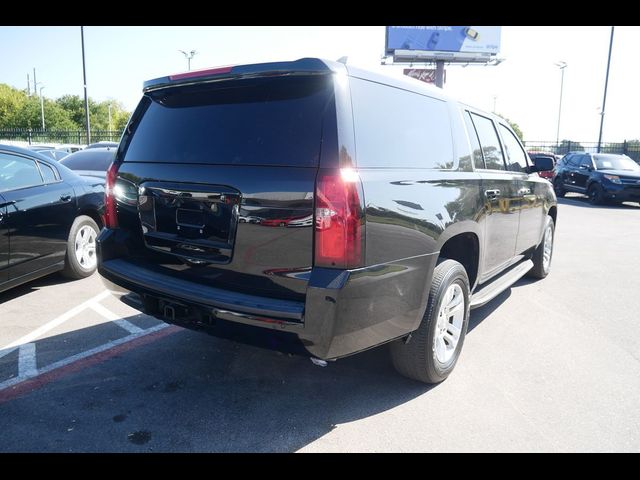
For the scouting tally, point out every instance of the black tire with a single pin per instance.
(559, 188)
(539, 270)
(417, 359)
(72, 267)
(595, 194)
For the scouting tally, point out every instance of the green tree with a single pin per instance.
(12, 101)
(18, 110)
(514, 126)
(567, 146)
(73, 104)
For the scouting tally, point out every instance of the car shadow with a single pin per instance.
(583, 201)
(191, 392)
(33, 286)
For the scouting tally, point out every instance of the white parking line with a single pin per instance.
(53, 323)
(109, 315)
(27, 361)
(79, 356)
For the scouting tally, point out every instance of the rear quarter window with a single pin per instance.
(399, 128)
(266, 121)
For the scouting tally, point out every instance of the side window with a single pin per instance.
(399, 128)
(586, 161)
(516, 158)
(47, 173)
(574, 161)
(18, 172)
(478, 161)
(489, 142)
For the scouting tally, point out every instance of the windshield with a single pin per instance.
(616, 162)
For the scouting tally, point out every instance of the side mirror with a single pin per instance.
(585, 167)
(542, 164)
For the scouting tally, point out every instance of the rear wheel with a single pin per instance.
(81, 260)
(595, 193)
(433, 349)
(559, 188)
(543, 254)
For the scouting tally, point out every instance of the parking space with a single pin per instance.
(549, 365)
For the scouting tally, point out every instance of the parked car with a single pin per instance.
(601, 176)
(92, 162)
(548, 174)
(102, 144)
(49, 218)
(416, 216)
(54, 154)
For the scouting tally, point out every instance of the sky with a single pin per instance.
(525, 86)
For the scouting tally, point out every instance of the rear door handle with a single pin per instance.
(65, 197)
(492, 193)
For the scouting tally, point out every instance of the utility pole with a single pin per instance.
(86, 98)
(28, 86)
(35, 84)
(606, 83)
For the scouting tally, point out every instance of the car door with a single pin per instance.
(531, 190)
(572, 168)
(4, 242)
(39, 213)
(501, 199)
(582, 173)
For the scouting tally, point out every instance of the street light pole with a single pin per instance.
(86, 98)
(188, 56)
(562, 66)
(42, 107)
(606, 83)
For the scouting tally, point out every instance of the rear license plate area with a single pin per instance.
(196, 222)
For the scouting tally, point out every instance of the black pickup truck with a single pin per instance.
(313, 206)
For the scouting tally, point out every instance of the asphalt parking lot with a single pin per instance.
(550, 365)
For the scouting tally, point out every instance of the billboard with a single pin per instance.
(472, 40)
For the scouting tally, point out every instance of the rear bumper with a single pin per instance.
(345, 311)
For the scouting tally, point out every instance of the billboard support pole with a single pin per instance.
(440, 73)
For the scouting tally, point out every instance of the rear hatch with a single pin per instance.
(217, 180)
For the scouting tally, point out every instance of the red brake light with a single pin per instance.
(338, 219)
(110, 219)
(201, 73)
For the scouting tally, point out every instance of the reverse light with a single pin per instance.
(613, 179)
(338, 219)
(110, 219)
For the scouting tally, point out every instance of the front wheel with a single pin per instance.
(433, 349)
(544, 252)
(595, 193)
(559, 188)
(81, 260)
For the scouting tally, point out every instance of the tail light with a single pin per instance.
(338, 219)
(110, 218)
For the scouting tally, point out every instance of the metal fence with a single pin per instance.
(632, 149)
(32, 135)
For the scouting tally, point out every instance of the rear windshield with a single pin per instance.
(93, 159)
(267, 121)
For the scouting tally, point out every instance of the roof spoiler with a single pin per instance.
(303, 65)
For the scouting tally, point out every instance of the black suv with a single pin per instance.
(312, 206)
(601, 176)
